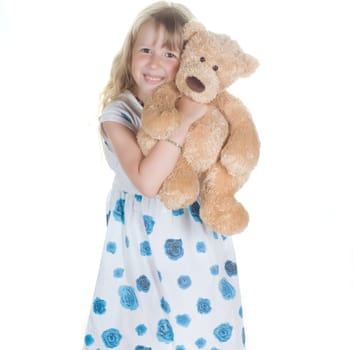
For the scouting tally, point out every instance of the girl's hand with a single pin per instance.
(190, 110)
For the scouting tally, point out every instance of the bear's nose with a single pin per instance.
(195, 84)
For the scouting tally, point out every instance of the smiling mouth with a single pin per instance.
(152, 79)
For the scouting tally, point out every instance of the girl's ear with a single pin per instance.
(192, 27)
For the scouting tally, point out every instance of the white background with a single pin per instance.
(295, 260)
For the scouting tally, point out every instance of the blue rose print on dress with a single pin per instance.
(174, 248)
(180, 347)
(200, 343)
(159, 276)
(145, 249)
(165, 332)
(143, 284)
(99, 306)
(127, 242)
(223, 332)
(184, 282)
(178, 212)
(89, 340)
(241, 311)
(118, 272)
(201, 247)
(149, 223)
(128, 297)
(140, 347)
(138, 197)
(195, 211)
(118, 211)
(214, 270)
(226, 289)
(111, 247)
(141, 329)
(243, 336)
(204, 306)
(111, 338)
(213, 348)
(183, 320)
(215, 235)
(165, 306)
(231, 268)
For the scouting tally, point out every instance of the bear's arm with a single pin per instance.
(241, 151)
(160, 118)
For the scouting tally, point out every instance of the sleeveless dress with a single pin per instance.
(166, 281)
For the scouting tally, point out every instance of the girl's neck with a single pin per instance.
(139, 100)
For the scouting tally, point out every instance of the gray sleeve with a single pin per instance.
(117, 112)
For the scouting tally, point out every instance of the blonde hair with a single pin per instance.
(172, 16)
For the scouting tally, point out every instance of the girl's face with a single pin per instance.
(152, 62)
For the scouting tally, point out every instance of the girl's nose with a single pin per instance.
(154, 61)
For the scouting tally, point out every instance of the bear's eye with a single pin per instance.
(202, 59)
(215, 68)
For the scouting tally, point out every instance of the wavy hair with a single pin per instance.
(172, 16)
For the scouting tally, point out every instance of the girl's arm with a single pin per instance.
(147, 173)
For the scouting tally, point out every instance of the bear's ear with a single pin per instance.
(190, 28)
(247, 65)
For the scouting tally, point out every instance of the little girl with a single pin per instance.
(166, 281)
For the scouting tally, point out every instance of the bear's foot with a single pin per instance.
(181, 188)
(225, 216)
(176, 199)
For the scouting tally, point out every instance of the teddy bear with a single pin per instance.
(222, 147)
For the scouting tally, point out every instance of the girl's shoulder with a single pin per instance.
(125, 110)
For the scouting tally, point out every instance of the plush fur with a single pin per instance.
(222, 148)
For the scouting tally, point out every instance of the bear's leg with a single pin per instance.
(181, 188)
(219, 209)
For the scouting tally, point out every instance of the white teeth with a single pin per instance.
(153, 79)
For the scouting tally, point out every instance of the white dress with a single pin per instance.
(166, 281)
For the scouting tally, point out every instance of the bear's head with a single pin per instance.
(210, 63)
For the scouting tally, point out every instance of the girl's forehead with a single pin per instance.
(151, 32)
(155, 33)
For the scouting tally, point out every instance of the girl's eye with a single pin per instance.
(171, 55)
(145, 50)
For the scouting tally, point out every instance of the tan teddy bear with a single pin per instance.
(221, 148)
